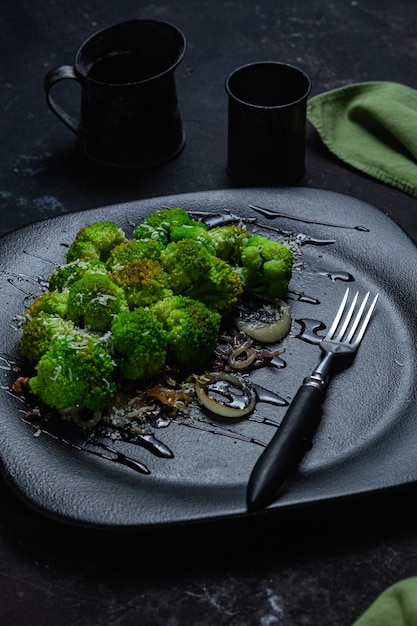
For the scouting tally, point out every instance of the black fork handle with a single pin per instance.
(287, 447)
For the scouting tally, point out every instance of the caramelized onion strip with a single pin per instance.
(237, 361)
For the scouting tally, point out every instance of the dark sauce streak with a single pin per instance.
(117, 457)
(302, 297)
(300, 239)
(7, 362)
(278, 362)
(337, 275)
(264, 395)
(41, 258)
(309, 329)
(145, 440)
(264, 420)
(19, 398)
(221, 219)
(70, 438)
(214, 428)
(161, 421)
(17, 281)
(12, 282)
(271, 214)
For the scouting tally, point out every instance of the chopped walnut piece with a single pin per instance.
(21, 384)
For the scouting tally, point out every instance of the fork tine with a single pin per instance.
(339, 314)
(347, 319)
(366, 321)
(358, 317)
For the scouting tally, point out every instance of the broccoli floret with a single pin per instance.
(194, 230)
(139, 344)
(143, 281)
(50, 302)
(38, 332)
(196, 273)
(229, 241)
(266, 267)
(168, 218)
(222, 290)
(82, 250)
(64, 275)
(93, 301)
(95, 242)
(187, 262)
(133, 249)
(158, 225)
(75, 370)
(146, 232)
(193, 329)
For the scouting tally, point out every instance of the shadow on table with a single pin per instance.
(263, 538)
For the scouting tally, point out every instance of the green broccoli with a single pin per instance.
(133, 249)
(229, 241)
(139, 344)
(76, 370)
(187, 262)
(50, 302)
(38, 332)
(167, 218)
(196, 273)
(143, 281)
(158, 225)
(118, 310)
(193, 329)
(266, 267)
(95, 242)
(223, 289)
(146, 232)
(93, 301)
(64, 275)
(193, 230)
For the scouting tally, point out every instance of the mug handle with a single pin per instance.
(54, 76)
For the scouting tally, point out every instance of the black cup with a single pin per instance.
(267, 104)
(129, 114)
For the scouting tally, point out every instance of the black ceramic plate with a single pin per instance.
(368, 434)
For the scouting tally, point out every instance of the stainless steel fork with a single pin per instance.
(294, 435)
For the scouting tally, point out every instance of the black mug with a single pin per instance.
(129, 113)
(267, 104)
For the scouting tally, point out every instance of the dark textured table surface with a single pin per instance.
(318, 567)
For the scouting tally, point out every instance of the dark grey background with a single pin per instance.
(275, 572)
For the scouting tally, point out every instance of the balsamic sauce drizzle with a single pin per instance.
(220, 219)
(336, 275)
(96, 440)
(271, 214)
(215, 428)
(302, 297)
(45, 259)
(309, 329)
(18, 279)
(53, 429)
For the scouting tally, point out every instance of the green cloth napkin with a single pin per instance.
(396, 606)
(373, 127)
